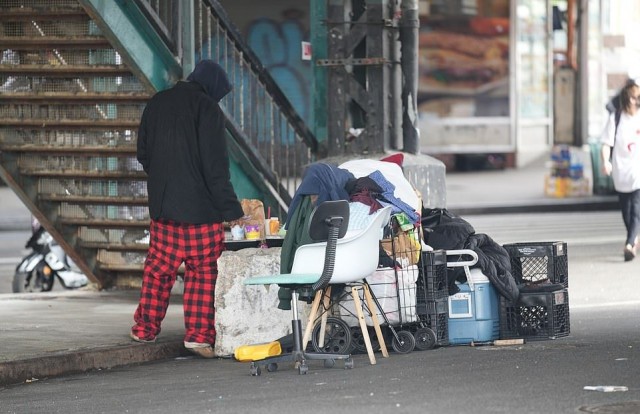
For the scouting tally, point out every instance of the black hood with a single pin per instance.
(212, 78)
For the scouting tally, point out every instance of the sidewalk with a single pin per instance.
(514, 191)
(55, 333)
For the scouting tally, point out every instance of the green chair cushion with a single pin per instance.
(284, 279)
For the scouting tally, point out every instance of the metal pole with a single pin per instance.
(188, 47)
(582, 121)
(409, 26)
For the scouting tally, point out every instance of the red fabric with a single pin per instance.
(395, 158)
(197, 245)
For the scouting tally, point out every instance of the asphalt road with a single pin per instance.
(537, 377)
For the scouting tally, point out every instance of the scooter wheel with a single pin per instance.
(19, 283)
(33, 281)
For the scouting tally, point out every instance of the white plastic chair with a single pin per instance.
(319, 265)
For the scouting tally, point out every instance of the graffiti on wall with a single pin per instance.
(278, 46)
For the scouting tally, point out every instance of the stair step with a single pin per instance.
(59, 149)
(104, 223)
(139, 247)
(48, 123)
(75, 97)
(81, 163)
(106, 174)
(120, 237)
(121, 267)
(50, 42)
(92, 188)
(102, 212)
(113, 138)
(119, 200)
(65, 71)
(27, 14)
(122, 261)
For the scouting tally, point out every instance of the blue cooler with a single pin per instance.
(474, 312)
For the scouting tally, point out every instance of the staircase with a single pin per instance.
(68, 121)
(69, 111)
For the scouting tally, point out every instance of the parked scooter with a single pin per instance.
(47, 262)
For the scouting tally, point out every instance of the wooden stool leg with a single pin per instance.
(312, 319)
(323, 322)
(374, 318)
(363, 324)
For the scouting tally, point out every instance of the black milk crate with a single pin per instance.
(536, 316)
(435, 315)
(432, 281)
(537, 261)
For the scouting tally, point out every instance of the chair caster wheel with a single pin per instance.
(255, 370)
(302, 369)
(272, 367)
(348, 363)
(329, 363)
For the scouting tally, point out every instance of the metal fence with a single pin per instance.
(273, 136)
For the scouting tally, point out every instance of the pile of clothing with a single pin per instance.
(446, 231)
(372, 183)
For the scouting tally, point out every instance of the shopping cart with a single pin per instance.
(410, 299)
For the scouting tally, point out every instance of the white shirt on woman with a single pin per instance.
(626, 151)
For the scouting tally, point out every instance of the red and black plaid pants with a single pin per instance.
(198, 246)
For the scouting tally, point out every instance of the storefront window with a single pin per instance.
(464, 59)
(532, 49)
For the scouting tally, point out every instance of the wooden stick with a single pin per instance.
(312, 319)
(323, 321)
(376, 323)
(363, 324)
(504, 342)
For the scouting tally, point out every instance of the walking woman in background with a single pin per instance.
(621, 159)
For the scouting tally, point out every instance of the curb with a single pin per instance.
(553, 206)
(33, 369)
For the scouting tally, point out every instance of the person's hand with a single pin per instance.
(607, 167)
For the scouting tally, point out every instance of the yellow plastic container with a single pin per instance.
(252, 232)
(257, 352)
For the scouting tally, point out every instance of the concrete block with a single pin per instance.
(248, 314)
(427, 175)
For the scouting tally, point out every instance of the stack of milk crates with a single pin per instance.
(432, 293)
(541, 269)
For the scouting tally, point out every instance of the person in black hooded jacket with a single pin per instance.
(181, 146)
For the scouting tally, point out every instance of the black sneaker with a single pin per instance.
(629, 253)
